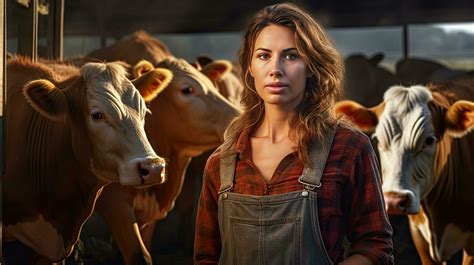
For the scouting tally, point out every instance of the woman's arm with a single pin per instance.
(207, 242)
(369, 228)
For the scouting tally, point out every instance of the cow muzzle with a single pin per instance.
(399, 203)
(143, 172)
(151, 171)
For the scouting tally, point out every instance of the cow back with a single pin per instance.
(140, 46)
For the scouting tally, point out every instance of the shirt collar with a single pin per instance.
(243, 144)
(243, 148)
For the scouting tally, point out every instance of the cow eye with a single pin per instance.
(429, 141)
(187, 90)
(97, 115)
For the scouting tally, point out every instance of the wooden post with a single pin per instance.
(405, 7)
(405, 40)
(55, 32)
(3, 50)
(3, 83)
(28, 30)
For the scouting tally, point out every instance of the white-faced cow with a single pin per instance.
(426, 148)
(188, 118)
(67, 136)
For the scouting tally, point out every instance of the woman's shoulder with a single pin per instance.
(215, 157)
(350, 136)
(218, 154)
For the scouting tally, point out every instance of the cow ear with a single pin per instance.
(376, 58)
(216, 69)
(460, 118)
(196, 65)
(204, 60)
(141, 68)
(153, 82)
(46, 98)
(364, 118)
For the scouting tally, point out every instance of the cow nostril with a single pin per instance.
(143, 172)
(404, 203)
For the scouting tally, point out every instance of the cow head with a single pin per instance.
(366, 79)
(106, 114)
(410, 127)
(190, 112)
(226, 81)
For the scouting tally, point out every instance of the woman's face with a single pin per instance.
(277, 68)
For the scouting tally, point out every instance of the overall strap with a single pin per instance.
(227, 172)
(318, 155)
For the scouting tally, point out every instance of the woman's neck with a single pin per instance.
(275, 126)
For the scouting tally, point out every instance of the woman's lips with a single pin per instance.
(275, 87)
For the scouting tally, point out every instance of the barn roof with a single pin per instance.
(119, 17)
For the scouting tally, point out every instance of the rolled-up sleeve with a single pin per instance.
(369, 229)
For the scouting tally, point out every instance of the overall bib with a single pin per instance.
(275, 229)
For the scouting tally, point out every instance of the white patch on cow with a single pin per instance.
(404, 126)
(453, 239)
(41, 236)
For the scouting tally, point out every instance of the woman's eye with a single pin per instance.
(187, 90)
(263, 56)
(291, 56)
(97, 115)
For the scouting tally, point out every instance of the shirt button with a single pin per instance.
(304, 193)
(225, 195)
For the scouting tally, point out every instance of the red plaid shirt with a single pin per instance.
(350, 199)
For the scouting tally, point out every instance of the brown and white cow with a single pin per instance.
(188, 118)
(67, 136)
(426, 148)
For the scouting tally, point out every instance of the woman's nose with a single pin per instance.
(276, 64)
(275, 71)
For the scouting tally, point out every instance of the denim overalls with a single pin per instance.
(275, 229)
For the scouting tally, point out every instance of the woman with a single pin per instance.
(291, 184)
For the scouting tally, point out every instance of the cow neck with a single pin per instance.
(70, 222)
(453, 183)
(164, 195)
(174, 153)
(42, 156)
(453, 188)
(177, 162)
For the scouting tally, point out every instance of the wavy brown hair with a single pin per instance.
(314, 114)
